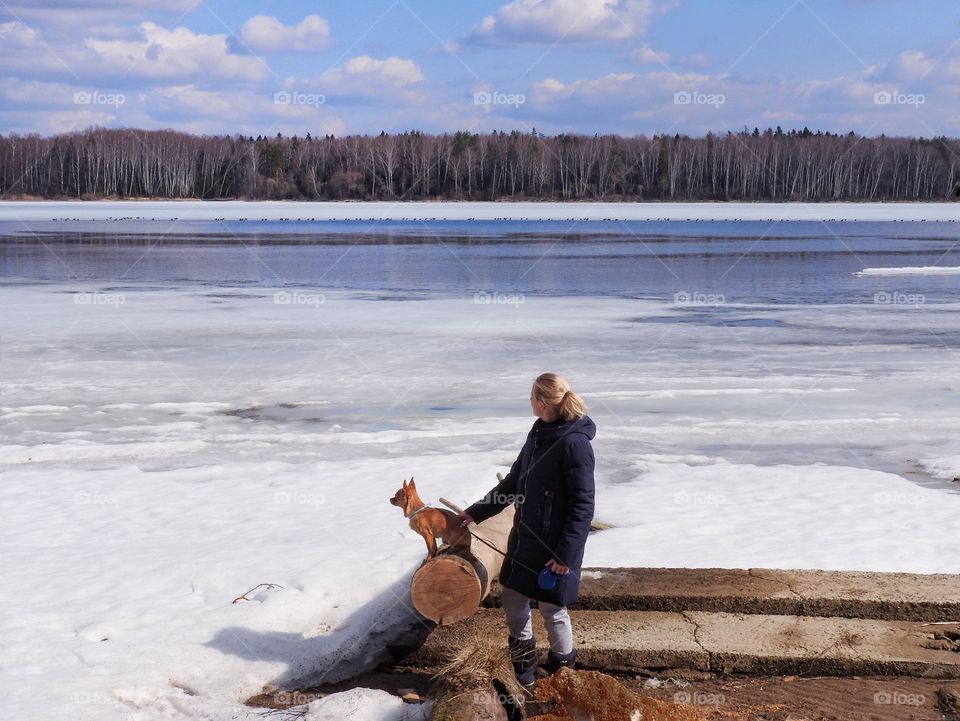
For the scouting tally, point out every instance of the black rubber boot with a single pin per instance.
(556, 661)
(523, 656)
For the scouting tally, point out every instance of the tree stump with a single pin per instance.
(477, 684)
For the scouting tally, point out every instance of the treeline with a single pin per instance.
(770, 165)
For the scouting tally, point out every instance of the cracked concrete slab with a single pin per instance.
(890, 596)
(633, 641)
(752, 621)
(752, 644)
(622, 641)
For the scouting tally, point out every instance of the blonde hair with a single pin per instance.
(556, 393)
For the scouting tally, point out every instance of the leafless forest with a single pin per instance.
(751, 165)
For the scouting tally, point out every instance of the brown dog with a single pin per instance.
(431, 523)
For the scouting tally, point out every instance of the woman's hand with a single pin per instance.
(557, 568)
(465, 519)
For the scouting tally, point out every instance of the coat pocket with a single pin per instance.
(546, 512)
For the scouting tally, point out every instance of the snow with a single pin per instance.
(818, 507)
(925, 270)
(184, 210)
(165, 455)
(364, 704)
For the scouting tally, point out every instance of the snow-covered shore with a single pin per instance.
(185, 210)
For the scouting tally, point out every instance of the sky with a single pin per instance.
(586, 66)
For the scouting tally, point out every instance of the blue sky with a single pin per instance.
(624, 66)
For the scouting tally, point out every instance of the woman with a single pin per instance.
(551, 484)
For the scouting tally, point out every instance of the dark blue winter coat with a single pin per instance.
(552, 484)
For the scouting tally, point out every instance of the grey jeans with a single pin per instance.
(516, 606)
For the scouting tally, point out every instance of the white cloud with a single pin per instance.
(188, 100)
(264, 33)
(693, 102)
(394, 70)
(909, 65)
(35, 94)
(553, 85)
(23, 50)
(67, 18)
(17, 36)
(34, 106)
(916, 70)
(366, 76)
(361, 81)
(569, 20)
(176, 53)
(606, 89)
(52, 122)
(258, 111)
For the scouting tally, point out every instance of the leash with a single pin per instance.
(487, 543)
(456, 509)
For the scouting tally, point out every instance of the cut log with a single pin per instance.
(448, 587)
(451, 586)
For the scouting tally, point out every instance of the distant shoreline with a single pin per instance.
(464, 211)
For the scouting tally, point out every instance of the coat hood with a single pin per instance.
(549, 431)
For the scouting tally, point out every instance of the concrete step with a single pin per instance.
(888, 596)
(748, 643)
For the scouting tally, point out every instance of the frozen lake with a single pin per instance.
(744, 262)
(750, 329)
(189, 411)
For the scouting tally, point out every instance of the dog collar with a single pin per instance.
(413, 515)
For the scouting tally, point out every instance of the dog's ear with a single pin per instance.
(412, 484)
(404, 482)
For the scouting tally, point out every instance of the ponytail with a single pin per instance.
(556, 392)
